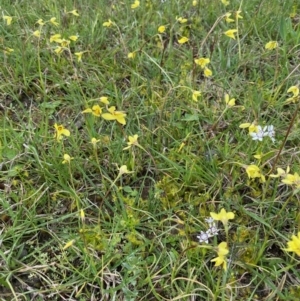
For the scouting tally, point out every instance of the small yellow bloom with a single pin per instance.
(202, 62)
(37, 33)
(229, 102)
(295, 97)
(252, 127)
(253, 171)
(132, 140)
(74, 12)
(94, 141)
(73, 38)
(56, 38)
(222, 252)
(53, 21)
(115, 115)
(238, 14)
(195, 96)
(82, 215)
(124, 170)
(64, 43)
(230, 33)
(104, 99)
(281, 173)
(8, 19)
(67, 159)
(96, 110)
(195, 2)
(207, 72)
(135, 4)
(225, 2)
(223, 216)
(108, 23)
(58, 50)
(271, 45)
(183, 40)
(161, 29)
(294, 244)
(131, 55)
(227, 18)
(294, 90)
(181, 20)
(293, 180)
(60, 131)
(69, 244)
(8, 50)
(79, 55)
(40, 22)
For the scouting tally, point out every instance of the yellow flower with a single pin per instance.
(37, 33)
(238, 14)
(195, 2)
(123, 170)
(58, 50)
(223, 216)
(132, 140)
(181, 20)
(108, 23)
(53, 21)
(96, 110)
(295, 91)
(225, 2)
(40, 22)
(252, 127)
(253, 171)
(202, 62)
(222, 252)
(69, 244)
(271, 45)
(183, 40)
(294, 244)
(115, 115)
(8, 19)
(227, 18)
(207, 72)
(82, 215)
(74, 12)
(230, 33)
(67, 159)
(79, 55)
(8, 50)
(73, 38)
(229, 102)
(94, 141)
(135, 4)
(131, 55)
(195, 96)
(161, 29)
(60, 131)
(64, 43)
(56, 38)
(293, 180)
(281, 173)
(104, 99)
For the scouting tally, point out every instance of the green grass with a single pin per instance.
(138, 239)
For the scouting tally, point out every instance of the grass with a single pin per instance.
(88, 229)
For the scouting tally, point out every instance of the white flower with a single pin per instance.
(213, 230)
(269, 131)
(259, 134)
(203, 237)
(209, 220)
